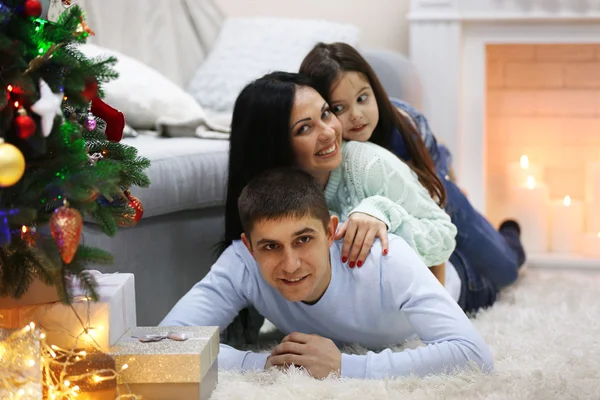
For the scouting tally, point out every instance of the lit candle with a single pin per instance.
(592, 196)
(566, 219)
(517, 172)
(528, 205)
(591, 245)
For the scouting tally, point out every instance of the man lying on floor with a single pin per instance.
(288, 266)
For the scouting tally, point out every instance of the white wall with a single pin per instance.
(383, 22)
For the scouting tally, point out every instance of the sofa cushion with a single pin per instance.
(247, 48)
(185, 173)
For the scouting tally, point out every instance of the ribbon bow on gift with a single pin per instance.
(177, 336)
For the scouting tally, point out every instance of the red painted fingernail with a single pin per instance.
(344, 259)
(385, 252)
(351, 264)
(358, 263)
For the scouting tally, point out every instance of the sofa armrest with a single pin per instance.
(397, 75)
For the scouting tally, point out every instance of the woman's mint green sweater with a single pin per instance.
(373, 181)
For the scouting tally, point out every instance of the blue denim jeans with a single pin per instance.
(486, 259)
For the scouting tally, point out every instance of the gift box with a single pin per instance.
(168, 369)
(84, 323)
(37, 293)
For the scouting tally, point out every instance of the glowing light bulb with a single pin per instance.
(31, 362)
(97, 378)
(567, 201)
(42, 336)
(125, 366)
(67, 383)
(32, 325)
(16, 104)
(524, 161)
(9, 88)
(82, 353)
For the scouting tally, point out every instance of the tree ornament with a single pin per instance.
(90, 91)
(83, 27)
(136, 204)
(29, 234)
(25, 124)
(47, 107)
(57, 7)
(66, 224)
(90, 121)
(115, 120)
(12, 164)
(94, 158)
(32, 8)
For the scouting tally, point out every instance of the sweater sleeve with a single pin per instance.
(441, 157)
(215, 301)
(390, 191)
(450, 339)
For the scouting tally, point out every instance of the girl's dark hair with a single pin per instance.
(325, 64)
(258, 140)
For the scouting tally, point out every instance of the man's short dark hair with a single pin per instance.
(281, 193)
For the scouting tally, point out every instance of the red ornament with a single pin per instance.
(132, 219)
(65, 225)
(91, 89)
(136, 204)
(33, 8)
(25, 126)
(115, 120)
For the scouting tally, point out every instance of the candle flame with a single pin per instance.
(567, 201)
(530, 182)
(524, 162)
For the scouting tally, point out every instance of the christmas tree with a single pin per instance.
(60, 157)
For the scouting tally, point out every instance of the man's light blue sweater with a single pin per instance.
(389, 300)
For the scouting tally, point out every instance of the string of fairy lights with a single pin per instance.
(26, 349)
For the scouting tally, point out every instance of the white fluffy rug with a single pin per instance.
(544, 333)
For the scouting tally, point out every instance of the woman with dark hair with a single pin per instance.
(280, 120)
(485, 258)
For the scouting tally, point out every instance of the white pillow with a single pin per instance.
(148, 99)
(248, 48)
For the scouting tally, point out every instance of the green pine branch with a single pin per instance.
(58, 167)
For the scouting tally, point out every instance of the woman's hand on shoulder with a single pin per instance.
(359, 231)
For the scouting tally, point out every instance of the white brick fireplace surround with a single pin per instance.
(448, 40)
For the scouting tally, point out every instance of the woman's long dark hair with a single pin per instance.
(325, 64)
(258, 141)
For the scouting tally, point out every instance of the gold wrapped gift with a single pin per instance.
(169, 368)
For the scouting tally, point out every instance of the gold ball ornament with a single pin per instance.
(12, 164)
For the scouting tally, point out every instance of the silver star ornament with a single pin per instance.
(47, 107)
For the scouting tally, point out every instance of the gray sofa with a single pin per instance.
(174, 245)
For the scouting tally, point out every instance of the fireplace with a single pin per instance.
(512, 87)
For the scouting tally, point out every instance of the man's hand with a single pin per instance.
(318, 355)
